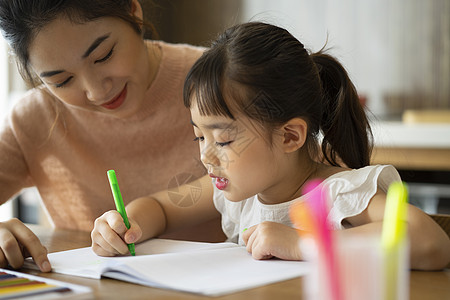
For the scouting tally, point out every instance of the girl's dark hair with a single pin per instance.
(272, 78)
(21, 21)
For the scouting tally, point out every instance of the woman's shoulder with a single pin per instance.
(34, 104)
(182, 50)
(181, 47)
(33, 115)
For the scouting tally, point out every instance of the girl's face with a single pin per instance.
(238, 157)
(100, 65)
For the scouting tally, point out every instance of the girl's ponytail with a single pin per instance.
(346, 131)
(281, 80)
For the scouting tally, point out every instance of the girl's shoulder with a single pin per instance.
(364, 171)
(369, 177)
(351, 191)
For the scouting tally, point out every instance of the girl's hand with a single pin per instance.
(270, 239)
(110, 236)
(17, 242)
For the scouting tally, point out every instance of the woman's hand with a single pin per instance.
(270, 239)
(110, 236)
(18, 242)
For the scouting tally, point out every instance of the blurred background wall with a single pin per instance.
(396, 51)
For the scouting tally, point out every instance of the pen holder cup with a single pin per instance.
(364, 270)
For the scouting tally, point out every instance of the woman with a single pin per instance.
(101, 98)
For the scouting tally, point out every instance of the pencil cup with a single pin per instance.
(361, 272)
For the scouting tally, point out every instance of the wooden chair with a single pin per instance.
(444, 222)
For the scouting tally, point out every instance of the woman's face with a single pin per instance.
(100, 65)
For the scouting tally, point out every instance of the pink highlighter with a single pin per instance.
(311, 215)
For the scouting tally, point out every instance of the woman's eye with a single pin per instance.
(106, 57)
(62, 84)
(223, 144)
(199, 139)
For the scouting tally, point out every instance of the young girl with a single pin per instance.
(258, 102)
(101, 101)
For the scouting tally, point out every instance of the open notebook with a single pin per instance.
(211, 269)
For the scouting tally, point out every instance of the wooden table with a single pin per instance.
(423, 285)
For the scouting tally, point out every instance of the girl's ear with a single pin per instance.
(294, 134)
(136, 9)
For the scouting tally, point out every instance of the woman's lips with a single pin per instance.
(117, 101)
(221, 182)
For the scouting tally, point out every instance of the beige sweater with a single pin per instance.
(67, 160)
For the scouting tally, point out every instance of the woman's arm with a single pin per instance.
(17, 242)
(429, 243)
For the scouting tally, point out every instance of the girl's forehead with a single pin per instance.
(201, 119)
(222, 123)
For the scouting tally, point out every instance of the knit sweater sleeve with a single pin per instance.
(28, 121)
(13, 169)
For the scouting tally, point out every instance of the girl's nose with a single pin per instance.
(209, 155)
(98, 89)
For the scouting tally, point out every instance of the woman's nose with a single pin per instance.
(97, 88)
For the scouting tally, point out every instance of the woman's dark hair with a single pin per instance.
(272, 78)
(21, 21)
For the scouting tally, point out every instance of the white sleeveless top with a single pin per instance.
(349, 191)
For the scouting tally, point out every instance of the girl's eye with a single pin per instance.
(199, 139)
(106, 57)
(62, 84)
(223, 144)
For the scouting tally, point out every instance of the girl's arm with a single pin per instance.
(270, 239)
(153, 215)
(167, 215)
(428, 241)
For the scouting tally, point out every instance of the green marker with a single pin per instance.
(119, 203)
